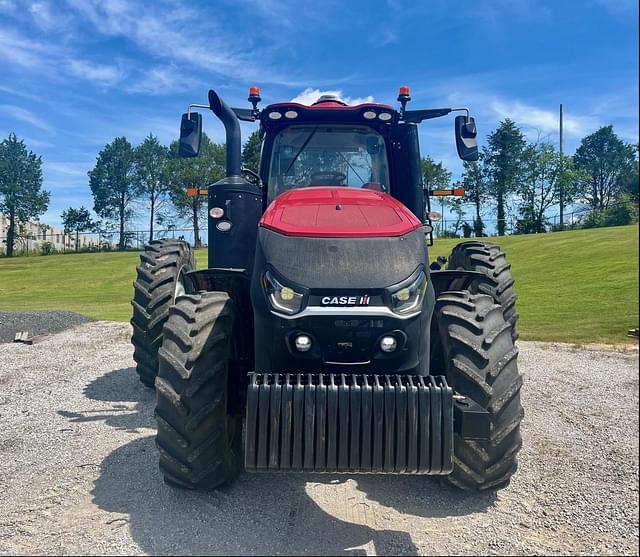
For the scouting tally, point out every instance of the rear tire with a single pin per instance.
(158, 278)
(490, 260)
(481, 363)
(200, 445)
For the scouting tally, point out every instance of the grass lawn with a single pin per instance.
(577, 286)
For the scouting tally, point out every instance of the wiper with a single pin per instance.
(351, 167)
(306, 142)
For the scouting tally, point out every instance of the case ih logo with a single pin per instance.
(346, 300)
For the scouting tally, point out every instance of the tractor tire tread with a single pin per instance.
(199, 447)
(153, 290)
(482, 366)
(490, 260)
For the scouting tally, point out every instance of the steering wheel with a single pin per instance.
(328, 177)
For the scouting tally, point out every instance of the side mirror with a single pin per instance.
(466, 138)
(190, 135)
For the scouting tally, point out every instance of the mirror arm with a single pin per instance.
(195, 106)
(245, 114)
(462, 109)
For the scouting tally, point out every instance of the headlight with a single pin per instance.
(282, 298)
(409, 298)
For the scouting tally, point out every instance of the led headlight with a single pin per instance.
(409, 298)
(282, 298)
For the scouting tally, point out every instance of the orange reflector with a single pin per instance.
(440, 193)
(404, 90)
(195, 192)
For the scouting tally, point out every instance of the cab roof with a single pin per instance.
(327, 110)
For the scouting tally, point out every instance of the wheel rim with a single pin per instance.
(179, 289)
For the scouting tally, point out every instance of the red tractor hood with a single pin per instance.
(338, 212)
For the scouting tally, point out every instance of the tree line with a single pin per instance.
(513, 177)
(127, 180)
(526, 179)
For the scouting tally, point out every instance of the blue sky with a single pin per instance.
(74, 74)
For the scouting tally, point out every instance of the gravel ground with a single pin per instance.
(37, 322)
(79, 471)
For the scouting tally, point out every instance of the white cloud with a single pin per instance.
(542, 120)
(310, 95)
(7, 6)
(67, 169)
(46, 18)
(49, 58)
(106, 75)
(165, 33)
(162, 80)
(17, 50)
(24, 115)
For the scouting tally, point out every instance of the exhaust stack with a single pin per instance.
(232, 128)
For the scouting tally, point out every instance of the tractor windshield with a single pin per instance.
(351, 156)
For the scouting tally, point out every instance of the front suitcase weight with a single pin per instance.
(404, 425)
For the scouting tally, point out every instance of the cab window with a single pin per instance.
(349, 156)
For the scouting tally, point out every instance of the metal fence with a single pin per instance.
(447, 225)
(105, 240)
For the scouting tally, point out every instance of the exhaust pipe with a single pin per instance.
(232, 128)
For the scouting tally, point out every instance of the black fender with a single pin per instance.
(454, 279)
(236, 283)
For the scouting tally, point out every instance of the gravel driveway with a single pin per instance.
(78, 470)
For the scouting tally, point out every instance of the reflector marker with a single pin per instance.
(195, 192)
(459, 192)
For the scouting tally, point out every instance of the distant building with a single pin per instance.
(32, 235)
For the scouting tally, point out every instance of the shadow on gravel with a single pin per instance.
(129, 403)
(259, 513)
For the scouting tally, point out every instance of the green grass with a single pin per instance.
(578, 286)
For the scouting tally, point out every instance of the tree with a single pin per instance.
(547, 174)
(503, 158)
(623, 212)
(458, 210)
(630, 181)
(21, 194)
(112, 185)
(149, 176)
(198, 172)
(251, 151)
(77, 220)
(434, 174)
(605, 161)
(475, 188)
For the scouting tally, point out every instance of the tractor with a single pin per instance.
(320, 338)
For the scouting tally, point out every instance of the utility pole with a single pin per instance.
(561, 174)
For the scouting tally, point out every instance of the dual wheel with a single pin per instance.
(200, 442)
(182, 347)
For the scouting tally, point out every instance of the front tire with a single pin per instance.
(481, 363)
(199, 443)
(491, 261)
(157, 283)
